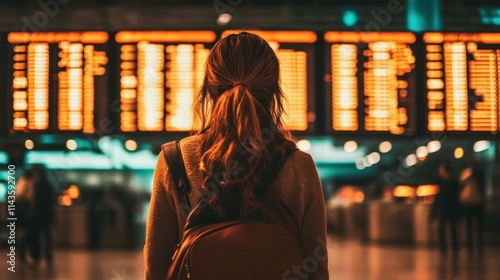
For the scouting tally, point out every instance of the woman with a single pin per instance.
(240, 108)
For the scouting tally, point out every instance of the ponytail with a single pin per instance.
(234, 148)
(240, 108)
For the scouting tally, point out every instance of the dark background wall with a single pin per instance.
(196, 14)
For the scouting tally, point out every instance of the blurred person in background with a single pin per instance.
(446, 207)
(42, 217)
(25, 199)
(472, 198)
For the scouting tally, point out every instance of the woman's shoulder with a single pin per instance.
(301, 158)
(190, 147)
(188, 144)
(192, 139)
(298, 180)
(299, 154)
(300, 166)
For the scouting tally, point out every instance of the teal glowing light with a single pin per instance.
(4, 158)
(423, 15)
(113, 156)
(324, 151)
(115, 159)
(490, 16)
(3, 192)
(69, 160)
(120, 157)
(350, 18)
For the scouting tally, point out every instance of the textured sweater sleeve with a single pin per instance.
(313, 227)
(161, 229)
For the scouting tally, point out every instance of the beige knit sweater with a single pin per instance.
(297, 184)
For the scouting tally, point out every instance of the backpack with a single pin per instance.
(248, 249)
(470, 194)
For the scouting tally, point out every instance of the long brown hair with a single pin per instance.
(240, 106)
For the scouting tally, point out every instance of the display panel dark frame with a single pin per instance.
(101, 114)
(411, 128)
(107, 105)
(4, 90)
(468, 133)
(117, 85)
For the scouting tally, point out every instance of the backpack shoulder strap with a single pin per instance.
(277, 164)
(173, 154)
(273, 202)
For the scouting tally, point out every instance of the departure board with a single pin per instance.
(373, 82)
(56, 80)
(160, 74)
(462, 81)
(295, 51)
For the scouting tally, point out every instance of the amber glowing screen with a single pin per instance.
(160, 73)
(462, 81)
(373, 82)
(294, 56)
(54, 79)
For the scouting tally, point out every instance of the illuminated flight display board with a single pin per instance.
(373, 82)
(462, 81)
(56, 80)
(160, 74)
(295, 51)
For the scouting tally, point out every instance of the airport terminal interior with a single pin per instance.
(385, 95)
